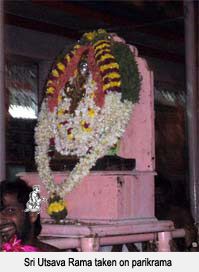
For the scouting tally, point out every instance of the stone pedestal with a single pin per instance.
(105, 195)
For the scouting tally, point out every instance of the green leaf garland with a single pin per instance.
(130, 82)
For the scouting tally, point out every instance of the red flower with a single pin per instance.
(15, 245)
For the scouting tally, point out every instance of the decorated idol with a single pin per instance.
(90, 95)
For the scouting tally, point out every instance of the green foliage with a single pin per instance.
(100, 36)
(114, 149)
(130, 76)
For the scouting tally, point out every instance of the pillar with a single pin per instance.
(192, 104)
(90, 244)
(2, 98)
(164, 241)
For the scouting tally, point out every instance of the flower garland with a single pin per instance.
(84, 112)
(15, 245)
(57, 207)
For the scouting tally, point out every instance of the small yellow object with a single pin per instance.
(49, 82)
(77, 46)
(59, 125)
(53, 207)
(112, 75)
(75, 72)
(49, 210)
(92, 95)
(56, 207)
(63, 203)
(55, 73)
(60, 112)
(106, 56)
(90, 35)
(111, 84)
(82, 123)
(59, 98)
(91, 113)
(101, 46)
(50, 90)
(89, 129)
(61, 66)
(101, 31)
(70, 136)
(67, 57)
(85, 129)
(109, 66)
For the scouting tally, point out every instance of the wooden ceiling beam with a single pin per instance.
(77, 10)
(40, 26)
(71, 34)
(114, 22)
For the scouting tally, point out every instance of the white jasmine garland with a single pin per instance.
(106, 126)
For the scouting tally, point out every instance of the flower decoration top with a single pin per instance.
(90, 94)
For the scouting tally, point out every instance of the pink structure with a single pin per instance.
(105, 195)
(115, 207)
